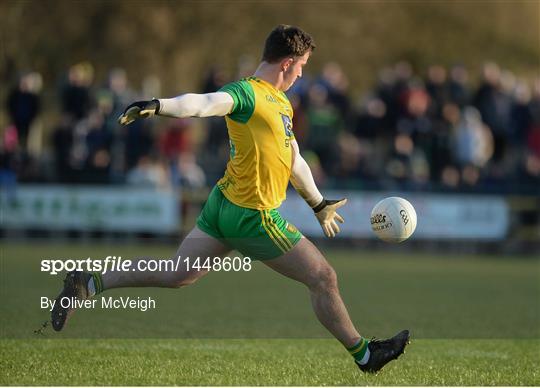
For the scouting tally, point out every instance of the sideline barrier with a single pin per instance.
(104, 208)
(132, 209)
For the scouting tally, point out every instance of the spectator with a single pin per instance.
(175, 139)
(450, 178)
(76, 95)
(415, 122)
(189, 173)
(370, 123)
(122, 96)
(148, 172)
(139, 141)
(217, 137)
(23, 105)
(521, 115)
(62, 139)
(407, 165)
(325, 124)
(336, 83)
(530, 170)
(473, 140)
(214, 80)
(401, 85)
(98, 149)
(494, 106)
(438, 90)
(460, 93)
(385, 91)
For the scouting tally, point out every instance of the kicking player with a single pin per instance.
(241, 211)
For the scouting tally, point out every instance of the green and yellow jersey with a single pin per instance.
(260, 133)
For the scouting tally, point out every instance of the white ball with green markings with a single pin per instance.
(393, 219)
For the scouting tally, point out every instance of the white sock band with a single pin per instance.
(365, 359)
(91, 287)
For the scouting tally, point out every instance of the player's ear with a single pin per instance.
(286, 63)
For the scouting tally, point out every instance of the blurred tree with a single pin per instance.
(181, 40)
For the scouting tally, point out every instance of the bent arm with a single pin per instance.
(302, 179)
(196, 105)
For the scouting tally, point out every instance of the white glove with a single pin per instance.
(327, 215)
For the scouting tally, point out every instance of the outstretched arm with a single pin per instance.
(303, 182)
(302, 179)
(196, 105)
(185, 105)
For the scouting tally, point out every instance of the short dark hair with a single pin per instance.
(285, 41)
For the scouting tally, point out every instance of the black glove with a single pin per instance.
(139, 110)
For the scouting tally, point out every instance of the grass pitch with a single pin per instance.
(262, 362)
(474, 321)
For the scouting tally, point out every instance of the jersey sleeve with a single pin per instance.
(244, 100)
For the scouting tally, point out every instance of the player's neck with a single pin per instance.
(270, 73)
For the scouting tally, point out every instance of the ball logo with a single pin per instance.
(378, 219)
(378, 228)
(404, 216)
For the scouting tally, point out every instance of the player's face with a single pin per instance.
(294, 70)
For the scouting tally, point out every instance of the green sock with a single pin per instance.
(95, 284)
(360, 351)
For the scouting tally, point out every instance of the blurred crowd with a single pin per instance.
(431, 132)
(445, 130)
